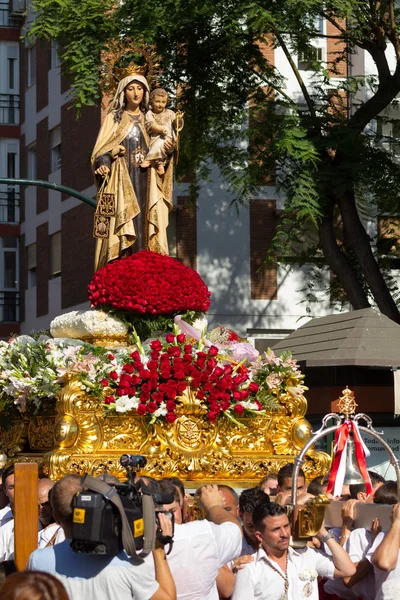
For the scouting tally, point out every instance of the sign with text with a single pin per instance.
(379, 459)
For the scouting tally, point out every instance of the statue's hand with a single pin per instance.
(169, 146)
(103, 170)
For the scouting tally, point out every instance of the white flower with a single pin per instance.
(79, 324)
(200, 324)
(249, 405)
(125, 403)
(161, 410)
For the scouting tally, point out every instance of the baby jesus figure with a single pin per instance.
(163, 125)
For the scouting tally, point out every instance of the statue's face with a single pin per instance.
(134, 93)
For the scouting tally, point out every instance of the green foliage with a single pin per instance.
(151, 326)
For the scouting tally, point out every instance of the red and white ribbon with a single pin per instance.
(338, 471)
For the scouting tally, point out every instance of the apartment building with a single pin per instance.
(10, 132)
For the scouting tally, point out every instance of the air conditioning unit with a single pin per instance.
(17, 8)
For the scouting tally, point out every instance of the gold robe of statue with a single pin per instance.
(133, 203)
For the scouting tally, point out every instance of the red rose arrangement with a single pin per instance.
(152, 388)
(148, 283)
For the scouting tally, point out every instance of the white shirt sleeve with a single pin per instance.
(377, 542)
(324, 565)
(355, 545)
(228, 538)
(244, 585)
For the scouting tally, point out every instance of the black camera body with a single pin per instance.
(97, 524)
(97, 527)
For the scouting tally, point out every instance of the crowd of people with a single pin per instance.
(225, 545)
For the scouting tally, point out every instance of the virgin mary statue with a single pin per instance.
(133, 199)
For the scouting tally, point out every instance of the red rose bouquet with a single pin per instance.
(147, 290)
(152, 382)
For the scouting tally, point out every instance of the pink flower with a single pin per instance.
(274, 380)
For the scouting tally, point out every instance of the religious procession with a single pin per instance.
(199, 311)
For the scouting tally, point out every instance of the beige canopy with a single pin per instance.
(361, 338)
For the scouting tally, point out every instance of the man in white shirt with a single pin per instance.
(45, 516)
(201, 548)
(385, 557)
(280, 572)
(7, 482)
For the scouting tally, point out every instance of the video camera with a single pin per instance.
(108, 519)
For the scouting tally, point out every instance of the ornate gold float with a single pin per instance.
(80, 438)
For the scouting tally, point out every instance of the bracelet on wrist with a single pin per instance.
(326, 537)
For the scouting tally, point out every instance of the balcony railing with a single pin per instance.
(9, 109)
(9, 206)
(9, 307)
(6, 20)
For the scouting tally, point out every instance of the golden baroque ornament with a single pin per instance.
(80, 438)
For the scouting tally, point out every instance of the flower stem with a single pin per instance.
(233, 419)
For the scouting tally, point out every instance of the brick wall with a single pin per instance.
(42, 69)
(42, 164)
(257, 114)
(42, 269)
(268, 50)
(78, 137)
(186, 233)
(264, 283)
(77, 254)
(23, 277)
(334, 50)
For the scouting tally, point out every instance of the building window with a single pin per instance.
(319, 23)
(31, 162)
(31, 55)
(55, 254)
(31, 264)
(305, 59)
(10, 269)
(396, 138)
(12, 65)
(54, 54)
(11, 165)
(55, 149)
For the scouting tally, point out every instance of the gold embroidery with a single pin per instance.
(106, 205)
(101, 227)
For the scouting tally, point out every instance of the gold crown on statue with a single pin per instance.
(116, 64)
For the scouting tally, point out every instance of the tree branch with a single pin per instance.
(387, 91)
(278, 90)
(334, 23)
(340, 265)
(299, 78)
(393, 35)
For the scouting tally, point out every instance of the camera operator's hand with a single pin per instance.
(166, 529)
(167, 590)
(210, 496)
